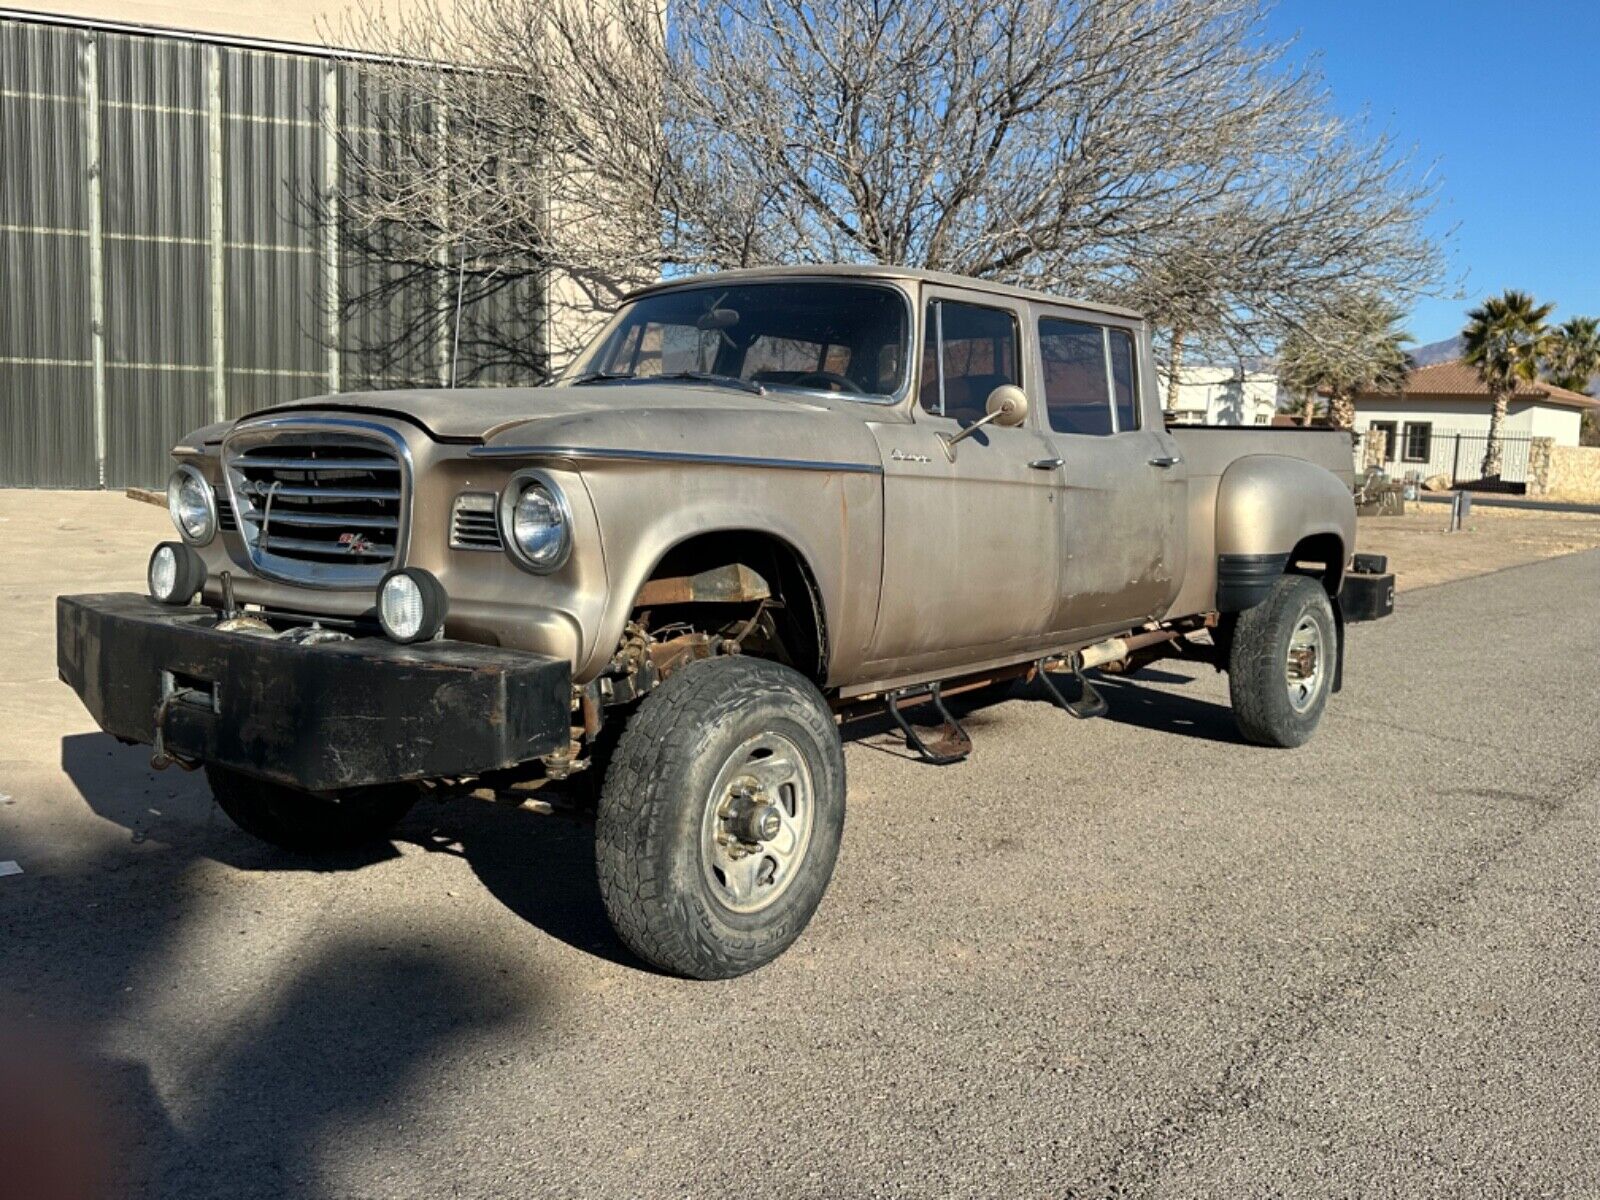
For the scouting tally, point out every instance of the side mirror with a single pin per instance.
(1006, 407)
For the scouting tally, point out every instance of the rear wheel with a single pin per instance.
(300, 821)
(1281, 662)
(720, 817)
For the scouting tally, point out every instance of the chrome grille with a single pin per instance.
(474, 523)
(320, 502)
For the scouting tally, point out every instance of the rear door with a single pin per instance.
(970, 539)
(1121, 480)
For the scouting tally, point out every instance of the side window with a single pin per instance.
(1124, 379)
(1076, 398)
(1089, 374)
(1419, 441)
(1391, 447)
(979, 353)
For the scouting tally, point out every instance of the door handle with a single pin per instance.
(1045, 464)
(1165, 460)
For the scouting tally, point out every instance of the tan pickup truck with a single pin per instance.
(761, 504)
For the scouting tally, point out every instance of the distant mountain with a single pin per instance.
(1437, 352)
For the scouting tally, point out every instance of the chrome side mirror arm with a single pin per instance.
(1007, 405)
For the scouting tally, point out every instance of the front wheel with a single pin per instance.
(720, 817)
(1281, 660)
(305, 823)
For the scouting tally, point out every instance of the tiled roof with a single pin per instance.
(1457, 380)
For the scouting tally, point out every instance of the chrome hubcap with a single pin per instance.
(757, 823)
(1306, 664)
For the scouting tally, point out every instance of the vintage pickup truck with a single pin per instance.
(761, 504)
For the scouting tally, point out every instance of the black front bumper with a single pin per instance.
(319, 717)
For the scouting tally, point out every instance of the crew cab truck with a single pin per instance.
(761, 502)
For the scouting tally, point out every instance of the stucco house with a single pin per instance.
(1449, 400)
(1223, 395)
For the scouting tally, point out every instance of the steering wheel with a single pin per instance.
(829, 381)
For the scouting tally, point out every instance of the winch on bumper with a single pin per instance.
(321, 716)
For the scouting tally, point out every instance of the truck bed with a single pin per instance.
(1209, 449)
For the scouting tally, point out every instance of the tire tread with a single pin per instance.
(637, 804)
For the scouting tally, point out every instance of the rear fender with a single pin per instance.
(1267, 504)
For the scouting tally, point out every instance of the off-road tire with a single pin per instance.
(648, 827)
(307, 824)
(1258, 652)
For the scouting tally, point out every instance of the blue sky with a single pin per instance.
(1504, 96)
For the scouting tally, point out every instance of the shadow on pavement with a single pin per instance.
(1160, 711)
(541, 868)
(206, 1093)
(1129, 703)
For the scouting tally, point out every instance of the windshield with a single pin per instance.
(820, 336)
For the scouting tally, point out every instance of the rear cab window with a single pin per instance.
(1091, 378)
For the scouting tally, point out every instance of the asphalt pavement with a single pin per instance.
(1126, 957)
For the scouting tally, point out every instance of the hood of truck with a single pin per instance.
(490, 414)
(680, 417)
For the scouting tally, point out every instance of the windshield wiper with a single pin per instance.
(600, 377)
(744, 385)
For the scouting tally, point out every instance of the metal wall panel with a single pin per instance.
(47, 413)
(212, 299)
(46, 381)
(150, 410)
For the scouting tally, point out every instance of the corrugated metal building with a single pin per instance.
(160, 265)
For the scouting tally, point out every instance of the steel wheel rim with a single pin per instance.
(1305, 664)
(747, 872)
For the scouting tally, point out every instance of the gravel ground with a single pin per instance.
(1123, 957)
(1422, 552)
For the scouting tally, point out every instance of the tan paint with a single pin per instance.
(291, 23)
(929, 564)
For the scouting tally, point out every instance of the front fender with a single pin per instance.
(833, 521)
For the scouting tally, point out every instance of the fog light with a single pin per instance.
(175, 574)
(411, 605)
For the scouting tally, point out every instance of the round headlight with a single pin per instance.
(175, 574)
(411, 605)
(541, 530)
(193, 505)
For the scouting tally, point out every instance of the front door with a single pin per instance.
(970, 537)
(1122, 483)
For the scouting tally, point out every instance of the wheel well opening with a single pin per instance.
(789, 626)
(1322, 557)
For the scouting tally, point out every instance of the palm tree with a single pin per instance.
(1572, 359)
(1359, 347)
(1505, 338)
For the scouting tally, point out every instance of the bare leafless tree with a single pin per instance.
(1163, 152)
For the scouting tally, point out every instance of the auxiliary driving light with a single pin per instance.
(411, 605)
(175, 573)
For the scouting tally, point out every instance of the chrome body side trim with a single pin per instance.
(672, 456)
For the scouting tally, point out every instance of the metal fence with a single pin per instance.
(160, 265)
(1415, 451)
